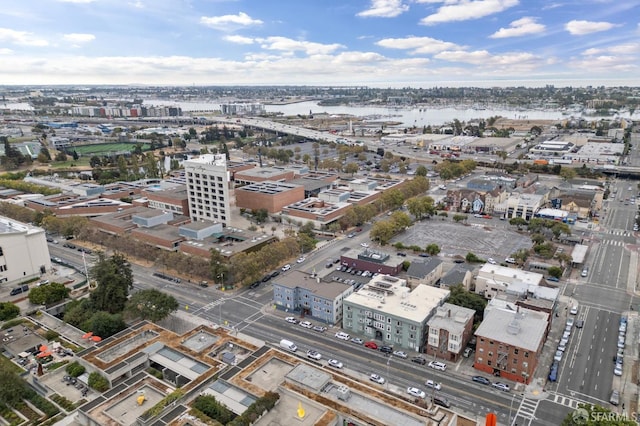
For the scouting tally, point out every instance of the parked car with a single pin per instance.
(301, 259)
(357, 340)
(553, 371)
(365, 245)
(614, 399)
(558, 356)
(502, 386)
(386, 349)
(286, 267)
(419, 360)
(467, 352)
(436, 365)
(617, 370)
(481, 380)
(579, 324)
(319, 328)
(400, 354)
(371, 345)
(441, 401)
(306, 324)
(342, 335)
(574, 310)
(510, 260)
(291, 320)
(491, 261)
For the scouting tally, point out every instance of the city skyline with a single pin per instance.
(377, 43)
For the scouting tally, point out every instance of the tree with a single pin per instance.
(48, 294)
(12, 388)
(8, 311)
(114, 280)
(432, 249)
(351, 168)
(104, 324)
(151, 304)
(382, 231)
(472, 258)
(517, 221)
(567, 173)
(555, 271)
(460, 296)
(421, 170)
(98, 382)
(459, 217)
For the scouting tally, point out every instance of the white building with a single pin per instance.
(208, 188)
(387, 309)
(24, 253)
(495, 279)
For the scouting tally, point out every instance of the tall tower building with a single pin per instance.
(208, 188)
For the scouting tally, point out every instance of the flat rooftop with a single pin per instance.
(520, 329)
(394, 297)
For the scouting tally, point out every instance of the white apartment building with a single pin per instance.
(24, 253)
(208, 188)
(495, 279)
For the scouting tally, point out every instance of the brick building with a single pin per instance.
(509, 343)
(449, 331)
(269, 195)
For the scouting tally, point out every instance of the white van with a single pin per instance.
(288, 345)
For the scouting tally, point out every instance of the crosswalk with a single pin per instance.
(614, 243)
(565, 400)
(620, 232)
(526, 412)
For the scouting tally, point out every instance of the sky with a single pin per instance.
(375, 43)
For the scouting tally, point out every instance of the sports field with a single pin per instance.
(106, 148)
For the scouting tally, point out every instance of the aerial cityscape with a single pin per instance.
(380, 212)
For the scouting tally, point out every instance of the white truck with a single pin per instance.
(288, 345)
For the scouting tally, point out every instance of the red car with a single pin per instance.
(371, 345)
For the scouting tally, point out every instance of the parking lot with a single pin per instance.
(459, 239)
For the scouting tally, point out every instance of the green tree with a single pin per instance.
(8, 311)
(460, 296)
(12, 388)
(151, 304)
(555, 271)
(114, 280)
(382, 231)
(517, 221)
(421, 170)
(472, 258)
(75, 369)
(567, 173)
(432, 249)
(459, 217)
(351, 168)
(48, 294)
(104, 324)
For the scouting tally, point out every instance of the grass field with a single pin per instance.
(106, 148)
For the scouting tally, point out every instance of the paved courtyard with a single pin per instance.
(459, 239)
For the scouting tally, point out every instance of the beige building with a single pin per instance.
(208, 188)
(24, 253)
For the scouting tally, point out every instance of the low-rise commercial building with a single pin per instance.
(494, 279)
(269, 195)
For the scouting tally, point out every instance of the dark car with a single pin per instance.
(579, 324)
(255, 284)
(423, 255)
(441, 401)
(386, 349)
(266, 278)
(482, 380)
(275, 274)
(401, 254)
(553, 371)
(419, 360)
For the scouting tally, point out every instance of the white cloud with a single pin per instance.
(462, 10)
(5, 51)
(289, 45)
(519, 28)
(77, 1)
(229, 22)
(587, 27)
(620, 49)
(485, 59)
(76, 39)
(418, 45)
(238, 39)
(21, 38)
(384, 9)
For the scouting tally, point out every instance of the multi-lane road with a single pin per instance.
(586, 372)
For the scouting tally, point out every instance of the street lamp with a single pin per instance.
(511, 408)
(388, 363)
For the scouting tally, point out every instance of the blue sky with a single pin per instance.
(377, 43)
